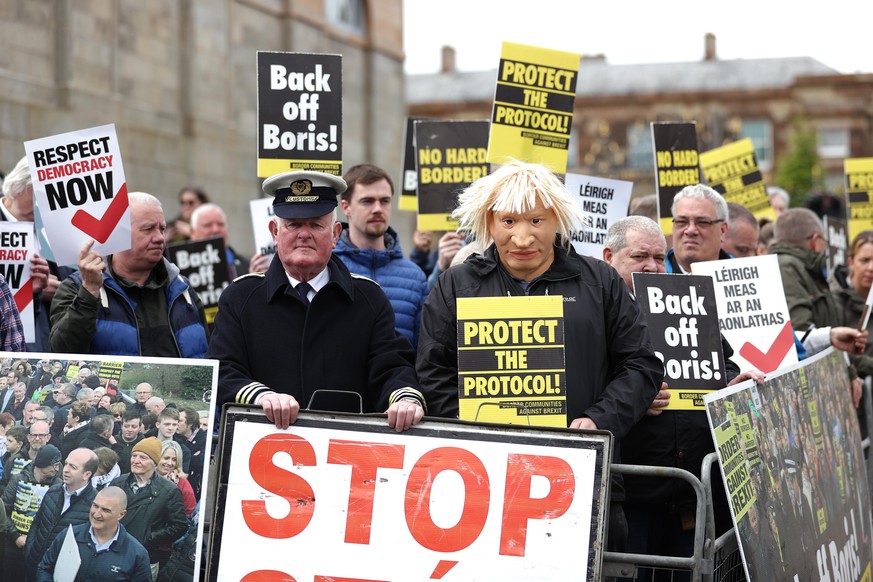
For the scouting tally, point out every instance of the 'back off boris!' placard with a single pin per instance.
(511, 360)
(683, 322)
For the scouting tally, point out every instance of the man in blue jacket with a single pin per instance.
(132, 303)
(368, 246)
(107, 551)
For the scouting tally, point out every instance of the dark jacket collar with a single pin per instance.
(565, 265)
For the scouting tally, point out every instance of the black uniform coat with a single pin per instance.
(267, 340)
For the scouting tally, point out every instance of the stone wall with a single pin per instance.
(178, 79)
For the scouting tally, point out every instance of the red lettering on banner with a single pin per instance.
(276, 576)
(296, 490)
(268, 576)
(519, 506)
(365, 459)
(477, 497)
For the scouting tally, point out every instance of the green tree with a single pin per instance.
(799, 170)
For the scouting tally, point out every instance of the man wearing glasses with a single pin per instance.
(142, 393)
(699, 226)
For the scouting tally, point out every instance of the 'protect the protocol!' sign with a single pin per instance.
(80, 190)
(732, 171)
(449, 156)
(300, 113)
(442, 501)
(16, 250)
(676, 164)
(859, 191)
(511, 360)
(533, 106)
(682, 318)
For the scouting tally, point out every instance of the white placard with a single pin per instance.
(752, 311)
(605, 201)
(81, 192)
(467, 504)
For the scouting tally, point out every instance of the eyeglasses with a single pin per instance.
(39, 435)
(682, 223)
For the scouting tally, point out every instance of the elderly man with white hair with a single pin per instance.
(132, 303)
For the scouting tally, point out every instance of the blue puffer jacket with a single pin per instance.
(402, 280)
(117, 332)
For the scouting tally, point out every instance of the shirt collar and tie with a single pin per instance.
(312, 286)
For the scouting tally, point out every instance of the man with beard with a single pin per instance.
(370, 247)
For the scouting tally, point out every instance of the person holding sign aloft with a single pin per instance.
(523, 215)
(131, 303)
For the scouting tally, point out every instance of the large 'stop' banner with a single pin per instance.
(343, 497)
(794, 471)
(80, 191)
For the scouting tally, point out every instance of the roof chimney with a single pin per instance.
(448, 59)
(709, 47)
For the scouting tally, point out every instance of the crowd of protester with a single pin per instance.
(73, 433)
(67, 434)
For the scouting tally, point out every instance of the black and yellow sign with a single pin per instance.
(204, 262)
(533, 106)
(300, 113)
(409, 179)
(111, 370)
(676, 164)
(732, 171)
(683, 322)
(449, 156)
(859, 194)
(511, 360)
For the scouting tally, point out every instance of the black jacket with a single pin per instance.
(267, 340)
(155, 514)
(49, 520)
(611, 368)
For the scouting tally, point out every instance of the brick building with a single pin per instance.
(177, 77)
(728, 100)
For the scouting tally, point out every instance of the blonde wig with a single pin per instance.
(516, 187)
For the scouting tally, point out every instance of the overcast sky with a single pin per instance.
(835, 32)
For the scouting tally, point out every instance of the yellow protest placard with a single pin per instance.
(511, 360)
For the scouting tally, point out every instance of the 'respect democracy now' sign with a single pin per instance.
(444, 500)
(16, 250)
(80, 190)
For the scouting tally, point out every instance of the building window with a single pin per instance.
(640, 150)
(760, 131)
(347, 15)
(833, 143)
